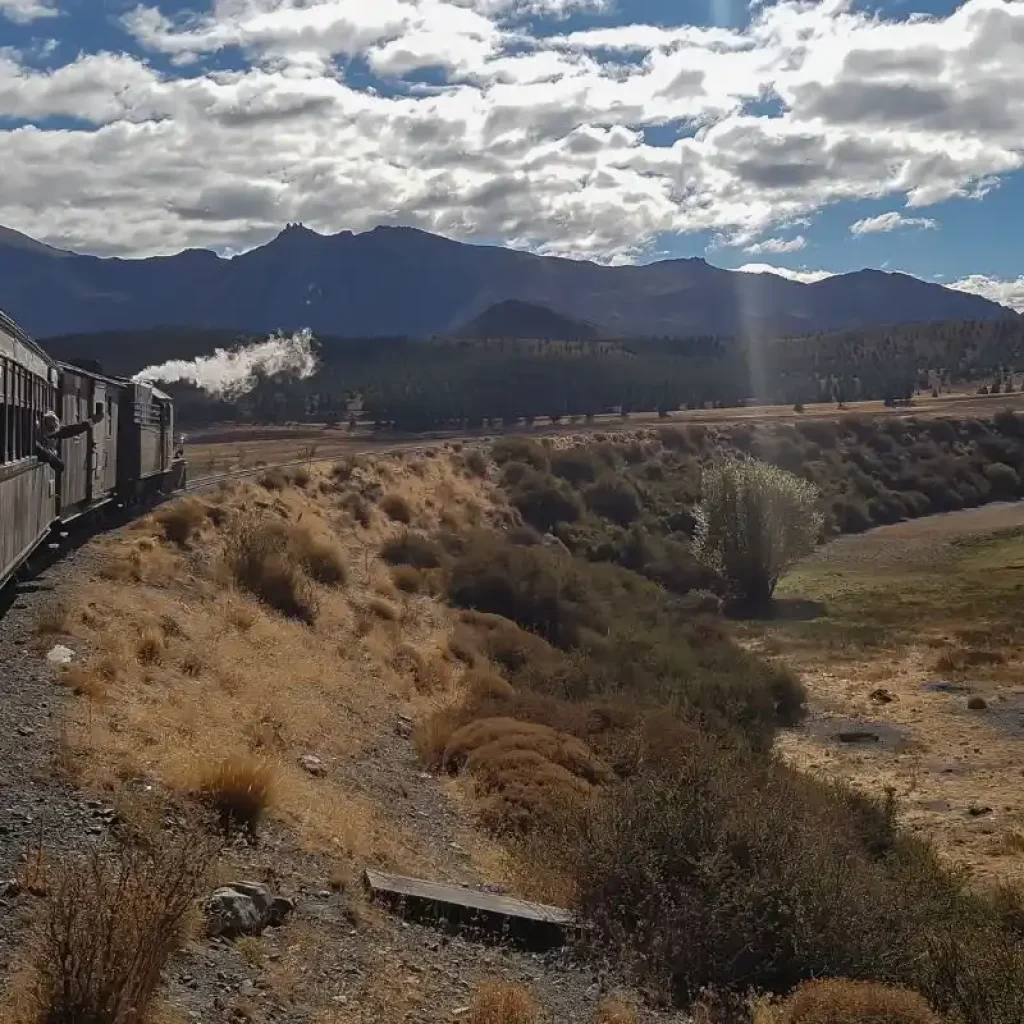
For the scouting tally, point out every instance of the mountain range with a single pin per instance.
(405, 282)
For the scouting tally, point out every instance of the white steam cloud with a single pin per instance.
(234, 372)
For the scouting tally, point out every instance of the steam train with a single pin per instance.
(112, 446)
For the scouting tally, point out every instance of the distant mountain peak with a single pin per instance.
(515, 319)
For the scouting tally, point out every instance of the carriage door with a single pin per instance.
(99, 449)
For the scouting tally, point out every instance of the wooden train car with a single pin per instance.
(28, 387)
(116, 446)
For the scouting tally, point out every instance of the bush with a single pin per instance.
(613, 499)
(1004, 480)
(272, 480)
(238, 789)
(520, 449)
(261, 562)
(854, 1002)
(413, 549)
(575, 465)
(395, 507)
(407, 579)
(358, 507)
(321, 558)
(544, 502)
(109, 926)
(476, 464)
(180, 520)
(716, 868)
(754, 523)
(501, 1002)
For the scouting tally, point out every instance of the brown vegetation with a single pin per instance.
(238, 789)
(108, 927)
(180, 520)
(854, 1002)
(501, 1002)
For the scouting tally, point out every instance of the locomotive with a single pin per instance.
(74, 443)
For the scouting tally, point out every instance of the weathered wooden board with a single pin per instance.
(27, 510)
(485, 914)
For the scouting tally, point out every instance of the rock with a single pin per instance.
(10, 888)
(977, 704)
(313, 765)
(25, 730)
(403, 726)
(882, 696)
(978, 811)
(244, 908)
(60, 655)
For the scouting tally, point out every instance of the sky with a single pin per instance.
(792, 137)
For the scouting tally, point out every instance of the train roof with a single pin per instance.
(16, 344)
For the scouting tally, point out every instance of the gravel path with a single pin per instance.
(37, 806)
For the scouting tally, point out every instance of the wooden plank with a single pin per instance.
(468, 910)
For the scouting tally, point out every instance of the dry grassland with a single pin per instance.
(194, 683)
(922, 637)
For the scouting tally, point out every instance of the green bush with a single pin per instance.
(613, 499)
(575, 465)
(543, 501)
(754, 523)
(414, 549)
(520, 449)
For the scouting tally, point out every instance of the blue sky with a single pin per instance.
(802, 138)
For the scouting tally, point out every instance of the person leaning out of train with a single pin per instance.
(51, 433)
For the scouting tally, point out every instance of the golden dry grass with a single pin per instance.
(186, 668)
(836, 1001)
(238, 788)
(497, 1001)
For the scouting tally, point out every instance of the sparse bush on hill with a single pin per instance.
(754, 523)
(238, 789)
(520, 449)
(261, 562)
(180, 520)
(613, 499)
(108, 927)
(836, 1001)
(501, 1002)
(413, 549)
(319, 556)
(544, 501)
(396, 507)
(575, 465)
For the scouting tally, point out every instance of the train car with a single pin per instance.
(149, 459)
(90, 475)
(28, 387)
(112, 443)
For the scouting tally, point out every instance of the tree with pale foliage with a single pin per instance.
(754, 523)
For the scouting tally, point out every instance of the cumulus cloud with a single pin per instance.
(890, 222)
(24, 11)
(457, 117)
(803, 276)
(1009, 292)
(776, 245)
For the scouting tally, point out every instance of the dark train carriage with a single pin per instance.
(28, 381)
(146, 453)
(90, 473)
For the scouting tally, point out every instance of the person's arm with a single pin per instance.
(72, 430)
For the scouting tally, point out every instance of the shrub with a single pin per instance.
(1004, 480)
(413, 549)
(501, 1002)
(109, 926)
(272, 480)
(575, 465)
(180, 520)
(613, 499)
(407, 579)
(544, 502)
(321, 558)
(395, 507)
(261, 563)
(342, 471)
(520, 449)
(238, 789)
(754, 523)
(382, 608)
(301, 477)
(476, 464)
(854, 1002)
(358, 507)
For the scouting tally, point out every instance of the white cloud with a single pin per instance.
(1009, 292)
(24, 11)
(540, 141)
(892, 221)
(803, 276)
(776, 245)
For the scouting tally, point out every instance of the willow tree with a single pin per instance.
(753, 523)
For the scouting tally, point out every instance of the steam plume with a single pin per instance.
(233, 372)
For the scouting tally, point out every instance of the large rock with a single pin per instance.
(244, 908)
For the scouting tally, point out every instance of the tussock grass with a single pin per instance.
(396, 507)
(321, 558)
(497, 1001)
(239, 789)
(854, 1002)
(383, 609)
(53, 618)
(182, 519)
(413, 549)
(408, 580)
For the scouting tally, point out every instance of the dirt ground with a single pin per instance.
(910, 640)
